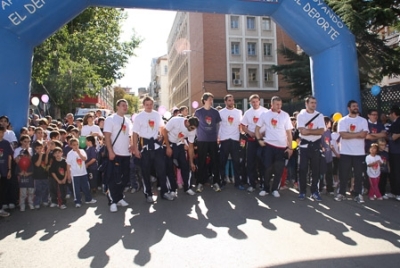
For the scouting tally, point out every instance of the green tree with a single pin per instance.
(119, 93)
(133, 103)
(296, 72)
(84, 52)
(367, 20)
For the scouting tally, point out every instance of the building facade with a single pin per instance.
(224, 54)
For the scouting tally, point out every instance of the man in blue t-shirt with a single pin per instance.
(207, 137)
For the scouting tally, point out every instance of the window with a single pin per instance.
(235, 73)
(267, 49)
(234, 22)
(268, 75)
(266, 24)
(165, 69)
(235, 48)
(251, 23)
(251, 49)
(252, 75)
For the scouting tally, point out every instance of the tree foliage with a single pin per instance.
(367, 20)
(296, 72)
(84, 52)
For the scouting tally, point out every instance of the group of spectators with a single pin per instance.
(263, 148)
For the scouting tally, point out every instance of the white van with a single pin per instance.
(81, 112)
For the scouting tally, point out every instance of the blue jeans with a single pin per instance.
(41, 191)
(81, 183)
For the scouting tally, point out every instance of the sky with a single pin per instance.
(153, 27)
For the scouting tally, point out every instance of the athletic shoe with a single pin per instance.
(174, 194)
(168, 196)
(190, 192)
(37, 206)
(21, 208)
(379, 198)
(126, 189)
(5, 207)
(31, 207)
(133, 190)
(113, 207)
(284, 187)
(316, 197)
(45, 204)
(63, 207)
(339, 197)
(122, 203)
(93, 201)
(77, 205)
(11, 206)
(385, 196)
(4, 213)
(263, 193)
(153, 179)
(372, 198)
(302, 196)
(150, 199)
(275, 194)
(359, 199)
(68, 196)
(216, 187)
(240, 187)
(199, 188)
(398, 197)
(390, 195)
(250, 189)
(53, 205)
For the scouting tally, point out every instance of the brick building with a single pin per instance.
(224, 54)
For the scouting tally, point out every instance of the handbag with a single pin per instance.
(104, 164)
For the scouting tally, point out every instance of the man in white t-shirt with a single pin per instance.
(117, 137)
(352, 129)
(249, 121)
(277, 142)
(148, 134)
(229, 135)
(177, 132)
(311, 126)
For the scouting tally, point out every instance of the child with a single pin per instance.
(327, 160)
(25, 180)
(58, 172)
(91, 162)
(385, 169)
(6, 155)
(373, 161)
(53, 185)
(335, 147)
(78, 174)
(40, 174)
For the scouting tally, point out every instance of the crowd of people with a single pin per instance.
(267, 149)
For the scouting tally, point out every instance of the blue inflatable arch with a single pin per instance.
(24, 24)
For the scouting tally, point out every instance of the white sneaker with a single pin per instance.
(63, 207)
(45, 204)
(21, 208)
(4, 213)
(11, 206)
(122, 203)
(37, 206)
(78, 205)
(133, 190)
(126, 189)
(199, 188)
(113, 207)
(398, 197)
(250, 189)
(174, 194)
(390, 195)
(31, 207)
(275, 194)
(68, 196)
(168, 196)
(93, 201)
(263, 193)
(216, 187)
(53, 205)
(5, 207)
(190, 192)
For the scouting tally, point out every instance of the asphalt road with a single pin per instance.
(228, 229)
